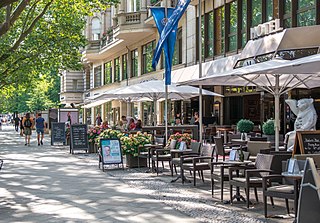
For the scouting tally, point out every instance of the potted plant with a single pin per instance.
(245, 126)
(130, 147)
(186, 137)
(268, 129)
(93, 134)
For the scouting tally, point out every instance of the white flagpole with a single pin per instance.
(166, 88)
(200, 71)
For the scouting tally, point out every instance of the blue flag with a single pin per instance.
(166, 37)
(168, 46)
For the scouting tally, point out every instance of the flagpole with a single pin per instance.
(200, 71)
(166, 86)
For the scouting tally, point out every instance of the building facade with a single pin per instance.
(122, 40)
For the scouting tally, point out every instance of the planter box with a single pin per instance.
(91, 147)
(132, 161)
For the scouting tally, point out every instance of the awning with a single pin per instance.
(96, 103)
(288, 39)
(216, 66)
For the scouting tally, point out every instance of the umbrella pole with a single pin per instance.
(200, 71)
(277, 113)
(154, 112)
(166, 113)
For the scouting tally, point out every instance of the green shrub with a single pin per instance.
(245, 126)
(268, 127)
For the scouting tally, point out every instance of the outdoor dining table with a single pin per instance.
(235, 163)
(178, 153)
(150, 148)
(224, 130)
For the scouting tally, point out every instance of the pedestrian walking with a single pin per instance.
(21, 127)
(27, 124)
(69, 117)
(16, 123)
(40, 128)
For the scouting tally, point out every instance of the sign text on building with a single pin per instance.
(265, 29)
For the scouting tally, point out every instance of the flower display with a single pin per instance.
(131, 143)
(93, 133)
(109, 134)
(186, 137)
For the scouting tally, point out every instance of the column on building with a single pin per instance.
(93, 116)
(103, 112)
(84, 116)
(122, 6)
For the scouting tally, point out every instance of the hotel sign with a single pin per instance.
(265, 29)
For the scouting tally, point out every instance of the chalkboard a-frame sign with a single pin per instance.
(58, 132)
(110, 152)
(78, 137)
(307, 142)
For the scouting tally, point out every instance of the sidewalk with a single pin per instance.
(47, 184)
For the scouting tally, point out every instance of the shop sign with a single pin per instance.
(265, 29)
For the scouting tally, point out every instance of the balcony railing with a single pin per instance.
(132, 17)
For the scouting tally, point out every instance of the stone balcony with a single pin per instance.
(131, 26)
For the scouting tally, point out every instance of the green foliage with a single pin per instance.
(46, 36)
(268, 127)
(245, 126)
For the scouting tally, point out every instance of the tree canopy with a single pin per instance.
(41, 36)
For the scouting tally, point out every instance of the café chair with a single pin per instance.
(254, 147)
(220, 174)
(288, 189)
(199, 163)
(144, 153)
(162, 155)
(176, 161)
(252, 176)
(220, 148)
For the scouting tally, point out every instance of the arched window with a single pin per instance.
(96, 28)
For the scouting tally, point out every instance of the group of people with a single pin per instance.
(125, 124)
(194, 120)
(27, 124)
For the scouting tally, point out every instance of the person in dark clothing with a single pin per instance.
(16, 123)
(40, 127)
(21, 127)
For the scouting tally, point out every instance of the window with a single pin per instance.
(269, 10)
(134, 63)
(243, 23)
(287, 17)
(125, 66)
(133, 5)
(233, 21)
(147, 55)
(219, 31)
(108, 73)
(75, 85)
(177, 56)
(306, 13)
(97, 76)
(256, 12)
(96, 28)
(209, 23)
(202, 37)
(117, 69)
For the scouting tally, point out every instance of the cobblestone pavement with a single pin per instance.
(47, 184)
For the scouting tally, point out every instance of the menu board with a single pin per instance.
(79, 137)
(111, 151)
(58, 132)
(307, 142)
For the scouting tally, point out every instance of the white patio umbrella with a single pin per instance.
(276, 76)
(155, 90)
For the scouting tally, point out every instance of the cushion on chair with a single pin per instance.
(282, 189)
(252, 179)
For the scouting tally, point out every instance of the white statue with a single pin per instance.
(306, 118)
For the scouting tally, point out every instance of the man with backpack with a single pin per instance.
(40, 126)
(27, 124)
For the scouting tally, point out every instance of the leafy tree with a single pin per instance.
(36, 38)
